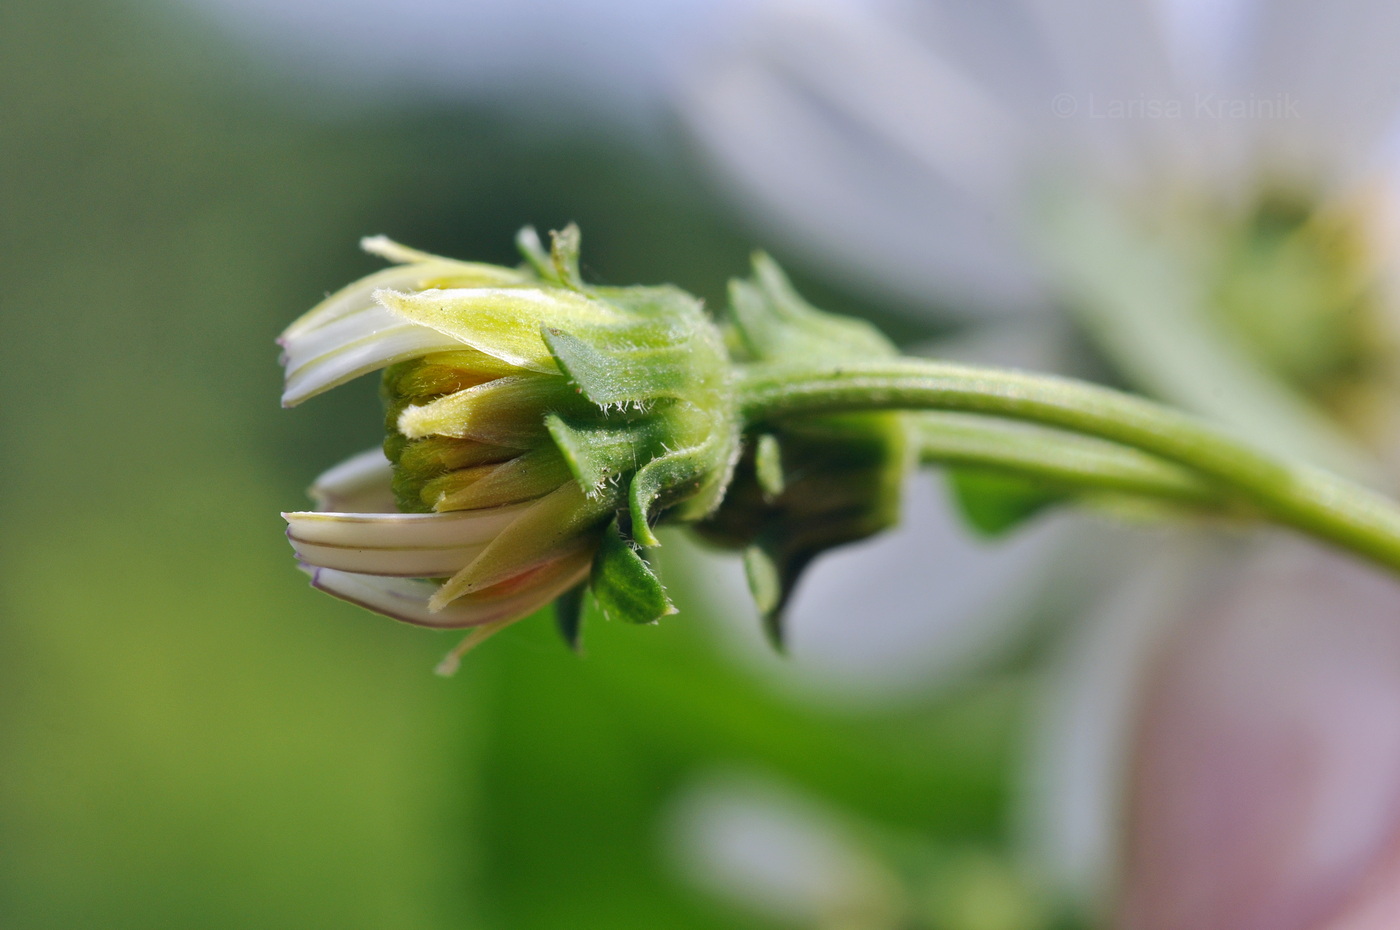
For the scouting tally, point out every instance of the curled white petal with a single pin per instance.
(406, 545)
(407, 599)
(306, 347)
(414, 562)
(358, 296)
(421, 271)
(475, 272)
(355, 345)
(400, 530)
(360, 484)
(396, 252)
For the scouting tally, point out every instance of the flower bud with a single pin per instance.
(536, 428)
(811, 483)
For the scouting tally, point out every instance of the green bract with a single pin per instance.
(807, 484)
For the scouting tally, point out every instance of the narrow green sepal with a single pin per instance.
(624, 585)
(768, 466)
(563, 256)
(993, 504)
(527, 241)
(568, 616)
(770, 594)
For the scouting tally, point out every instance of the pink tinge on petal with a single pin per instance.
(1265, 786)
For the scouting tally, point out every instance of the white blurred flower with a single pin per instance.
(617, 57)
(1263, 783)
(766, 848)
(1014, 155)
(761, 846)
(1210, 186)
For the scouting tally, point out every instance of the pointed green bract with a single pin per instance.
(665, 348)
(563, 256)
(612, 371)
(553, 526)
(560, 264)
(568, 616)
(775, 323)
(623, 584)
(669, 432)
(430, 272)
(770, 591)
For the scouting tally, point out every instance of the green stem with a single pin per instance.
(1078, 464)
(1305, 498)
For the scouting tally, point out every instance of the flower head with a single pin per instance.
(536, 428)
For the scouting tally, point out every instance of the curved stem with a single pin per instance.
(1078, 464)
(1301, 497)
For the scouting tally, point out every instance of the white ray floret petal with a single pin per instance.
(407, 599)
(388, 563)
(359, 296)
(363, 343)
(360, 484)
(395, 530)
(410, 545)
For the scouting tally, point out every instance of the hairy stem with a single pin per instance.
(1298, 496)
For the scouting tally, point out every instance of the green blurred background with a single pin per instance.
(191, 737)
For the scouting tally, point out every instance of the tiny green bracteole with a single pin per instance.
(539, 428)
